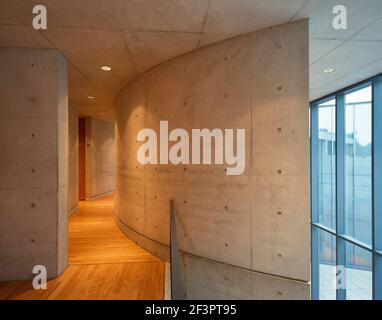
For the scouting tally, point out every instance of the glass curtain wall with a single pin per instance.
(346, 167)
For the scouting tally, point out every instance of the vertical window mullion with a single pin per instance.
(314, 200)
(340, 193)
(315, 264)
(377, 188)
(314, 163)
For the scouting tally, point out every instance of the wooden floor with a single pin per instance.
(103, 262)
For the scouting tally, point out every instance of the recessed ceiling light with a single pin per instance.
(329, 70)
(106, 68)
(91, 97)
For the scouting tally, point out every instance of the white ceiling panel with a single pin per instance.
(163, 15)
(366, 72)
(90, 49)
(132, 36)
(360, 13)
(95, 14)
(22, 36)
(347, 60)
(152, 48)
(242, 16)
(80, 88)
(15, 12)
(318, 48)
(372, 33)
(210, 38)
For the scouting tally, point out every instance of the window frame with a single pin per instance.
(376, 154)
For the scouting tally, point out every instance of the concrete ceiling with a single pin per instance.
(132, 36)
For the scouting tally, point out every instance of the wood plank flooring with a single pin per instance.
(94, 236)
(103, 262)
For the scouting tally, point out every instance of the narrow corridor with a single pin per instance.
(103, 262)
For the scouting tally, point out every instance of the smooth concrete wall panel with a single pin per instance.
(33, 162)
(32, 101)
(28, 231)
(280, 152)
(230, 281)
(255, 222)
(157, 248)
(27, 148)
(73, 173)
(62, 159)
(100, 158)
(206, 279)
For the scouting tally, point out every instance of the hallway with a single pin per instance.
(103, 262)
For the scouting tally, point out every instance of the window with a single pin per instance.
(327, 162)
(358, 141)
(346, 187)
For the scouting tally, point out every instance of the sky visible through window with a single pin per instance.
(354, 185)
(362, 96)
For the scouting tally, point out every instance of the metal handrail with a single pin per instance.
(178, 291)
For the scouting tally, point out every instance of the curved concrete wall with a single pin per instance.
(250, 233)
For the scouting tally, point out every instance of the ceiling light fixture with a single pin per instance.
(106, 68)
(91, 97)
(329, 70)
(103, 113)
